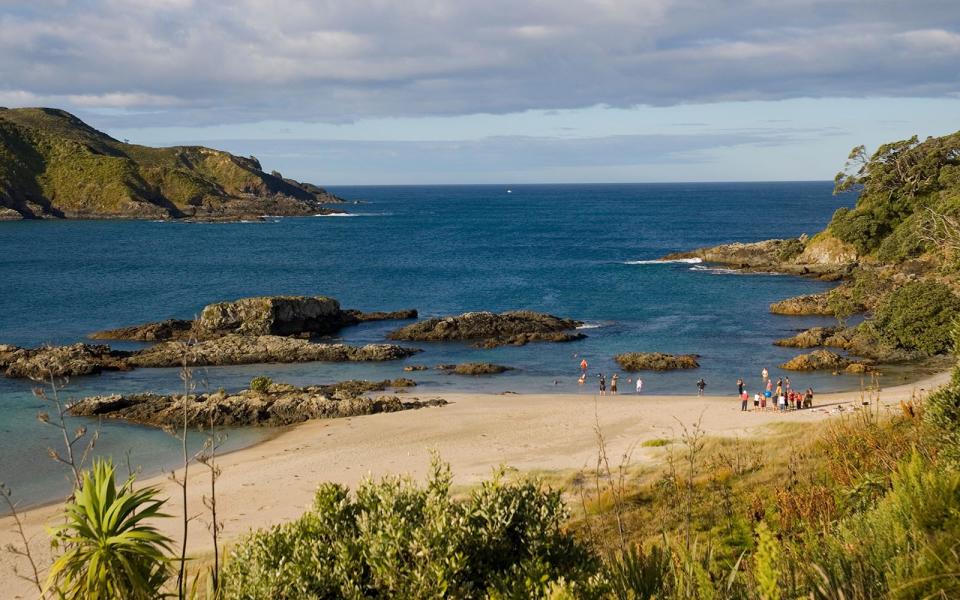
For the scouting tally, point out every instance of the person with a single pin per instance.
(756, 400)
(700, 385)
(808, 399)
(779, 389)
(765, 374)
(603, 385)
(639, 385)
(782, 402)
(582, 379)
(613, 384)
(583, 366)
(798, 400)
(763, 400)
(769, 386)
(739, 386)
(786, 384)
(744, 398)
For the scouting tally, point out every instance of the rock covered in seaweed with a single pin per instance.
(280, 404)
(249, 349)
(60, 361)
(475, 369)
(656, 361)
(492, 329)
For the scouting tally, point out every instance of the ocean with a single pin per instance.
(579, 251)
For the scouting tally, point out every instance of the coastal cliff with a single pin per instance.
(895, 255)
(53, 165)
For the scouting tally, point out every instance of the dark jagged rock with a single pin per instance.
(250, 349)
(522, 339)
(266, 315)
(492, 328)
(60, 361)
(411, 368)
(656, 361)
(475, 369)
(281, 404)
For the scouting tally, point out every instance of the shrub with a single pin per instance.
(261, 384)
(918, 316)
(109, 550)
(396, 539)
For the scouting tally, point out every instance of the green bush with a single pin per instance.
(918, 316)
(261, 384)
(109, 550)
(395, 539)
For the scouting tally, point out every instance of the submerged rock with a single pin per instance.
(522, 339)
(816, 361)
(513, 327)
(281, 404)
(656, 361)
(266, 315)
(60, 361)
(247, 349)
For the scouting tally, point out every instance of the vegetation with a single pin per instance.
(261, 384)
(110, 549)
(53, 164)
(918, 316)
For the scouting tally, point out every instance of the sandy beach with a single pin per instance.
(274, 481)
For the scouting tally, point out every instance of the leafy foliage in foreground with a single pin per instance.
(109, 548)
(918, 316)
(394, 539)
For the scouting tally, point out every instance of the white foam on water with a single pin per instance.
(382, 214)
(590, 326)
(687, 261)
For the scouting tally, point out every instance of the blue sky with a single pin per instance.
(423, 91)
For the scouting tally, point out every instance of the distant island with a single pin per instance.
(53, 165)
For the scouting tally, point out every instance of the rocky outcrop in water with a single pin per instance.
(656, 361)
(266, 315)
(251, 349)
(810, 304)
(280, 404)
(474, 369)
(809, 338)
(817, 360)
(491, 329)
(60, 361)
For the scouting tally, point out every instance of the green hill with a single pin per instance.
(53, 165)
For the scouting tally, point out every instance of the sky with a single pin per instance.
(497, 91)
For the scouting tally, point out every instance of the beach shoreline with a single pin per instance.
(273, 481)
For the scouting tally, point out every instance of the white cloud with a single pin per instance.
(248, 60)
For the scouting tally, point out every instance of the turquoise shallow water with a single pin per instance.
(569, 250)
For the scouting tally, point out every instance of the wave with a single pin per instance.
(590, 326)
(688, 261)
(725, 271)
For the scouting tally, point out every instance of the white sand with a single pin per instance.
(274, 481)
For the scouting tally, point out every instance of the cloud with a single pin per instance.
(197, 63)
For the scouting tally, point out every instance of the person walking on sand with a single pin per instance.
(700, 385)
(583, 366)
(739, 386)
(756, 401)
(603, 385)
(613, 384)
(744, 398)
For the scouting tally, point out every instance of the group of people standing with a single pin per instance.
(602, 380)
(782, 397)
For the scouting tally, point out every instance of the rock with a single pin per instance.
(656, 361)
(171, 329)
(792, 256)
(250, 349)
(522, 339)
(495, 329)
(809, 338)
(280, 405)
(816, 361)
(61, 361)
(479, 369)
(811, 304)
(859, 368)
(267, 315)
(411, 368)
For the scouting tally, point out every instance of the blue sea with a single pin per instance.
(579, 251)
